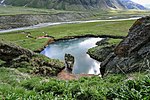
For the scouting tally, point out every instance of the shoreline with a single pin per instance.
(52, 40)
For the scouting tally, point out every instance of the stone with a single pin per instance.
(132, 54)
(138, 36)
(69, 61)
(9, 51)
(100, 53)
(16, 56)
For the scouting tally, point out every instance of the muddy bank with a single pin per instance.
(91, 35)
(16, 21)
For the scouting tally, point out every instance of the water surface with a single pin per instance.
(78, 48)
(59, 23)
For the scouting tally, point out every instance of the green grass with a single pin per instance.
(17, 85)
(118, 28)
(114, 41)
(119, 14)
(97, 28)
(12, 10)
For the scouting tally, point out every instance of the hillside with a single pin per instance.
(131, 5)
(147, 5)
(74, 4)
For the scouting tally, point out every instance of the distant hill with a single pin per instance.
(147, 5)
(75, 4)
(128, 4)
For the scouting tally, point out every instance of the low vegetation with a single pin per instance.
(18, 85)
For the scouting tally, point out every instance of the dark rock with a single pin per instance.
(103, 42)
(100, 53)
(46, 66)
(138, 36)
(69, 61)
(9, 51)
(133, 53)
(16, 56)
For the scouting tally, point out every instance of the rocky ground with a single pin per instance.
(22, 20)
(102, 49)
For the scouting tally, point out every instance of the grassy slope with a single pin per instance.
(16, 85)
(11, 10)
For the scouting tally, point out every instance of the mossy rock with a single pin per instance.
(46, 66)
(100, 53)
(18, 57)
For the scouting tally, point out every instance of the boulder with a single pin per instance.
(69, 61)
(18, 57)
(100, 53)
(45, 66)
(132, 53)
(10, 51)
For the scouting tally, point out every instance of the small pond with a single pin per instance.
(78, 48)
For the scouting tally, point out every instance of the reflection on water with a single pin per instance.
(78, 48)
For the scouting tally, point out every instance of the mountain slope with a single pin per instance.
(70, 4)
(131, 5)
(147, 5)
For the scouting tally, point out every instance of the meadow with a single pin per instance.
(16, 83)
(117, 28)
(19, 84)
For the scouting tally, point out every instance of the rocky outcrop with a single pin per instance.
(45, 66)
(101, 51)
(9, 51)
(66, 73)
(18, 57)
(69, 61)
(133, 53)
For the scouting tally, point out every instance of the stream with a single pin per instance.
(78, 48)
(59, 23)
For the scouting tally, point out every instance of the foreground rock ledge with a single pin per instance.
(16, 56)
(133, 53)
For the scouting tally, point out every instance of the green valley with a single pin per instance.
(123, 54)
